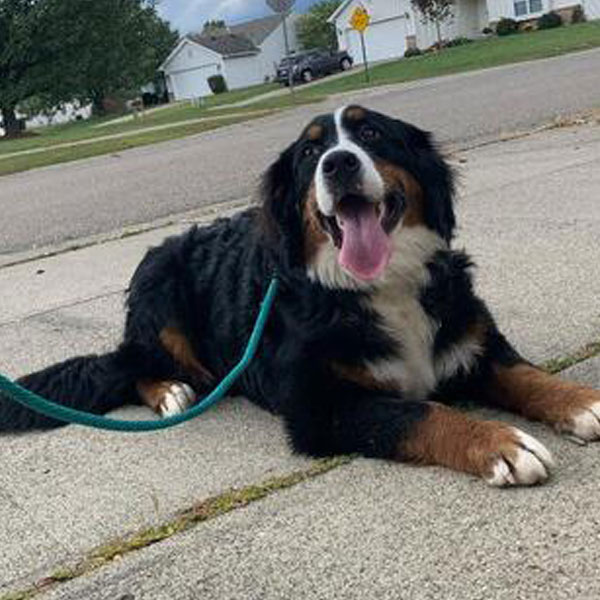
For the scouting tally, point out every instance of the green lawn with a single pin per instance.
(183, 111)
(477, 55)
(481, 54)
(15, 164)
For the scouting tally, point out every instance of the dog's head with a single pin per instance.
(346, 190)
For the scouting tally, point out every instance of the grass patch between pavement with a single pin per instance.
(204, 511)
(229, 501)
(555, 365)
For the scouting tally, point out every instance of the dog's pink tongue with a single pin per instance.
(366, 248)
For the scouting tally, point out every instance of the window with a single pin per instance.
(521, 8)
(525, 7)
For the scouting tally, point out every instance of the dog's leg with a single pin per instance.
(569, 407)
(166, 398)
(500, 454)
(180, 349)
(423, 433)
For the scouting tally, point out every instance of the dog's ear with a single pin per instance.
(433, 174)
(276, 188)
(437, 180)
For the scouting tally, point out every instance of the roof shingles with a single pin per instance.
(244, 38)
(226, 45)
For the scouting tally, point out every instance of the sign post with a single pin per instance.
(283, 7)
(359, 21)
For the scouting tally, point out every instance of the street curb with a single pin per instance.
(199, 215)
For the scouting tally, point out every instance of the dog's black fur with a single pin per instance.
(208, 284)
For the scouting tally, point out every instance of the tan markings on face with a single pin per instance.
(538, 395)
(450, 438)
(394, 178)
(355, 113)
(314, 236)
(315, 132)
(179, 347)
(363, 377)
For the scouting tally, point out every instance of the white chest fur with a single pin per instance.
(403, 318)
(396, 300)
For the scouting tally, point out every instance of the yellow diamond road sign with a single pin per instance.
(360, 19)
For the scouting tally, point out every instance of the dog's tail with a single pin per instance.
(95, 383)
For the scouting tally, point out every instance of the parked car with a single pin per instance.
(314, 63)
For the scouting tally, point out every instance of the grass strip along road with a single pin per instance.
(182, 119)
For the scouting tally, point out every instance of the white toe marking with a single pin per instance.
(535, 447)
(586, 425)
(530, 465)
(501, 475)
(177, 400)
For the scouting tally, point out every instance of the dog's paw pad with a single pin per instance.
(177, 399)
(585, 425)
(524, 462)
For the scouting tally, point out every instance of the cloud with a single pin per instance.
(189, 15)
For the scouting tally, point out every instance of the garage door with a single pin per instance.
(592, 9)
(383, 41)
(192, 82)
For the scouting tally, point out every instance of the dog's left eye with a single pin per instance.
(368, 134)
(310, 151)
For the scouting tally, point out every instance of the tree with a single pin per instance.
(23, 56)
(61, 50)
(214, 28)
(313, 29)
(121, 44)
(436, 12)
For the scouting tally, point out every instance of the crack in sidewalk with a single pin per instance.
(205, 510)
(221, 504)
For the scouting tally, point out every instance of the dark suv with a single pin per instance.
(314, 63)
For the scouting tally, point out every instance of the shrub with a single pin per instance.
(507, 26)
(578, 16)
(549, 20)
(217, 84)
(487, 31)
(410, 52)
(458, 41)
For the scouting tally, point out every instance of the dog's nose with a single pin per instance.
(341, 164)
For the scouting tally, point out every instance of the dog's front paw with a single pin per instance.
(583, 421)
(516, 458)
(177, 398)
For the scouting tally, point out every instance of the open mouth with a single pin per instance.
(360, 229)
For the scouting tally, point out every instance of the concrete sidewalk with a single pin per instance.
(530, 217)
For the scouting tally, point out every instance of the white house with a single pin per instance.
(396, 25)
(245, 54)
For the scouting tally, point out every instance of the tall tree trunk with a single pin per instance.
(98, 107)
(439, 34)
(10, 123)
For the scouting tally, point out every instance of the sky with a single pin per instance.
(189, 15)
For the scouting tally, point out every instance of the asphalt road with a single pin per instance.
(64, 202)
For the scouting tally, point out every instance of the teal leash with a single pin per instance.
(70, 415)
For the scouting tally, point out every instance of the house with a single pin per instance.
(245, 54)
(396, 25)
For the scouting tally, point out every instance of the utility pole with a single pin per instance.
(283, 7)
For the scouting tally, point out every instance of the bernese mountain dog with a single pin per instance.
(376, 336)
